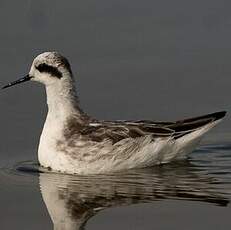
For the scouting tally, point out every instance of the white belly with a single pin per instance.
(93, 157)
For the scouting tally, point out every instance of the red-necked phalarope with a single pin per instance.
(73, 142)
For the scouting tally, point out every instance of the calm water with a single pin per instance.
(195, 193)
(161, 60)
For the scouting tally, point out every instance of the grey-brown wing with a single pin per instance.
(189, 125)
(180, 127)
(118, 130)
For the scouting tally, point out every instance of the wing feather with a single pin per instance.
(118, 130)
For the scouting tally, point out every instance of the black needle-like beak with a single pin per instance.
(21, 80)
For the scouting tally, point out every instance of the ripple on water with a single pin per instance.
(205, 176)
(215, 160)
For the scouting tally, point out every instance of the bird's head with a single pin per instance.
(47, 68)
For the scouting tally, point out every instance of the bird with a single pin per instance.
(73, 142)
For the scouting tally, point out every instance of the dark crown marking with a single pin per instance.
(44, 68)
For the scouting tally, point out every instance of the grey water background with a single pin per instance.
(161, 60)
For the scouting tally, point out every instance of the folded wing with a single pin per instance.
(118, 130)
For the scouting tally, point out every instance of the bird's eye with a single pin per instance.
(44, 68)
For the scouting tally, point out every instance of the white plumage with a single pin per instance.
(73, 142)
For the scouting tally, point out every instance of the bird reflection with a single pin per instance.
(72, 200)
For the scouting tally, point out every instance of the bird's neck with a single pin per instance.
(63, 106)
(63, 102)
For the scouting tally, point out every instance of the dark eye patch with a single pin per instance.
(44, 68)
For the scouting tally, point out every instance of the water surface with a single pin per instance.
(161, 60)
(178, 191)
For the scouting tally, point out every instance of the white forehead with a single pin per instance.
(51, 58)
